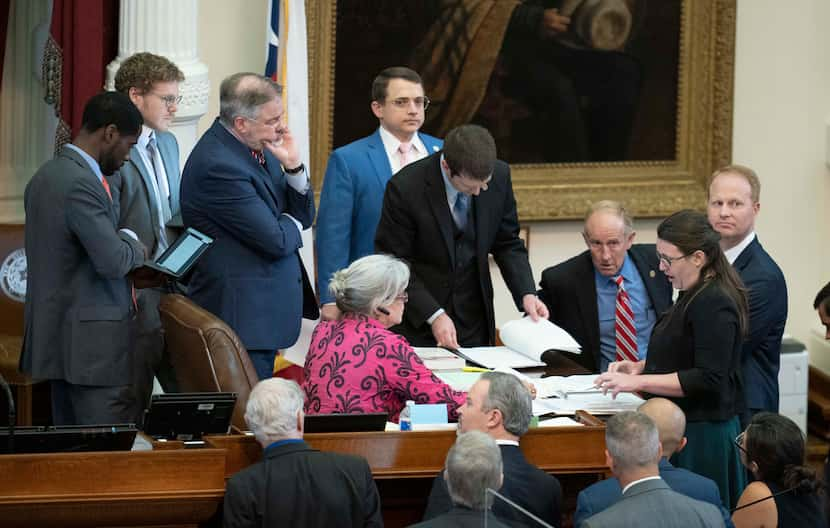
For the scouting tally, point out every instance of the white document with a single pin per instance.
(561, 421)
(593, 403)
(525, 341)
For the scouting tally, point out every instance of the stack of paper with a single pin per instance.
(436, 358)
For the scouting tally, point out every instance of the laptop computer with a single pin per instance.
(344, 423)
(189, 415)
(68, 438)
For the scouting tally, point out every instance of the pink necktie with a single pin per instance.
(404, 149)
(624, 329)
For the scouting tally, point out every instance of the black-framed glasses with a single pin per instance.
(667, 260)
(169, 100)
(739, 440)
(404, 102)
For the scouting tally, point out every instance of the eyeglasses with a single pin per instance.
(404, 102)
(277, 122)
(667, 260)
(169, 100)
(739, 440)
(404, 297)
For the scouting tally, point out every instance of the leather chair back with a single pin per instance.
(206, 354)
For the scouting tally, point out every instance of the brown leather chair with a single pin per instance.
(206, 354)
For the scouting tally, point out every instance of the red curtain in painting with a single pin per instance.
(83, 40)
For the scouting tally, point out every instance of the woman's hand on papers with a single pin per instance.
(617, 382)
(533, 307)
(443, 330)
(627, 367)
(530, 387)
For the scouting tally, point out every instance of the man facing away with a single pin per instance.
(500, 405)
(473, 466)
(245, 186)
(733, 205)
(79, 306)
(671, 426)
(445, 215)
(295, 485)
(610, 296)
(357, 173)
(147, 186)
(633, 452)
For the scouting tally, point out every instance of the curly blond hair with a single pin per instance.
(142, 70)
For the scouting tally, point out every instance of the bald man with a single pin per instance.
(671, 427)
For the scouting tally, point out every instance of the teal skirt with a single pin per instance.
(711, 452)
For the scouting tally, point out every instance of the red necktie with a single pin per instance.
(259, 156)
(624, 329)
(106, 186)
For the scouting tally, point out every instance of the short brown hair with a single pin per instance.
(741, 170)
(143, 70)
(381, 82)
(470, 149)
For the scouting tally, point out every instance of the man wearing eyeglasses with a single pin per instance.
(147, 191)
(245, 186)
(733, 204)
(445, 215)
(357, 173)
(610, 296)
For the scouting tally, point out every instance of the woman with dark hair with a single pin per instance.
(694, 351)
(785, 491)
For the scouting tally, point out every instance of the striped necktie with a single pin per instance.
(625, 331)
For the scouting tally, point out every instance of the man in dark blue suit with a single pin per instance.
(734, 194)
(671, 426)
(357, 173)
(245, 185)
(500, 405)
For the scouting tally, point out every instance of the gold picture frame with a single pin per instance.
(562, 191)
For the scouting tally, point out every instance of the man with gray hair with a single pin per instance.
(245, 185)
(295, 485)
(633, 451)
(608, 297)
(473, 466)
(500, 405)
(671, 428)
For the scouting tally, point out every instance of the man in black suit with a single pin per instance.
(500, 405)
(582, 293)
(473, 466)
(734, 194)
(444, 215)
(295, 485)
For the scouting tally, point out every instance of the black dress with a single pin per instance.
(699, 338)
(798, 511)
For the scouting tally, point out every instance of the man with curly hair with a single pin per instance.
(147, 190)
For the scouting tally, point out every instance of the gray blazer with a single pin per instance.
(132, 185)
(78, 298)
(652, 504)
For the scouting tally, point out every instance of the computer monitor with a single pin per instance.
(189, 416)
(68, 438)
(344, 423)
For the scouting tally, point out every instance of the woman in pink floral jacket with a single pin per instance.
(356, 365)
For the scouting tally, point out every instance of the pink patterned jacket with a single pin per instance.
(355, 365)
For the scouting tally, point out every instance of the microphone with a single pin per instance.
(12, 414)
(803, 485)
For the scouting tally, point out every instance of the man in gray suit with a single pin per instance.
(148, 193)
(633, 452)
(79, 303)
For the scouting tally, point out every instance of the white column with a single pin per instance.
(168, 29)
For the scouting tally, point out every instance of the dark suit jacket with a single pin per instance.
(652, 504)
(570, 291)
(78, 297)
(133, 185)
(416, 225)
(461, 517)
(295, 485)
(252, 277)
(524, 484)
(350, 203)
(760, 356)
(600, 496)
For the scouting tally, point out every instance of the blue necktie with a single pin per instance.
(459, 210)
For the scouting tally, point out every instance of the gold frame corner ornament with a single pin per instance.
(562, 191)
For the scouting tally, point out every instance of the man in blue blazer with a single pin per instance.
(357, 173)
(245, 186)
(734, 194)
(671, 425)
(147, 186)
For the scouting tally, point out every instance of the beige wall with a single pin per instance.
(782, 99)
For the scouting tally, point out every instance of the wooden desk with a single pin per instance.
(405, 463)
(150, 488)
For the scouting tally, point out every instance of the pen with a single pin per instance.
(474, 369)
